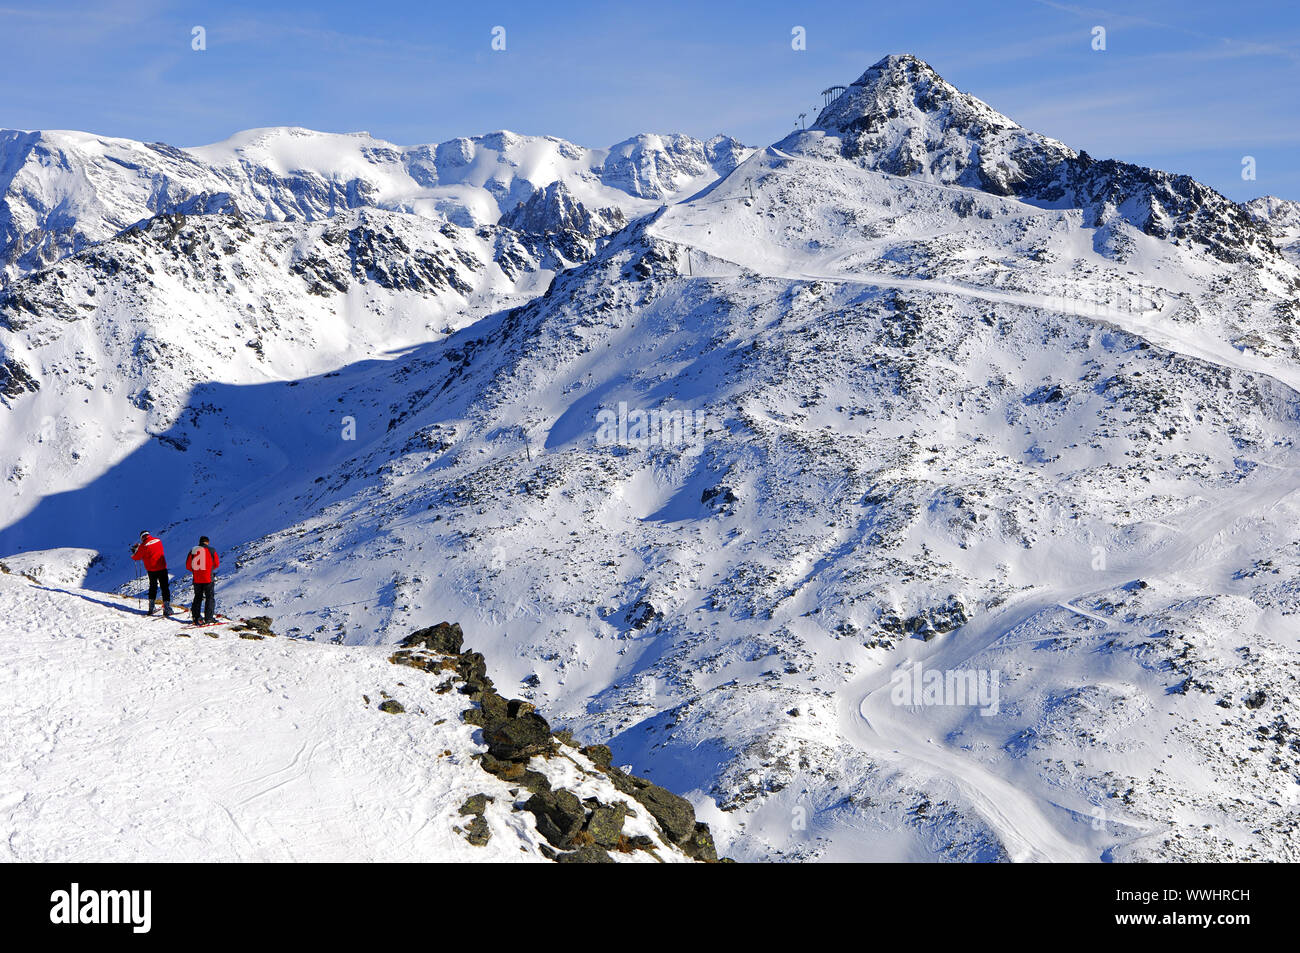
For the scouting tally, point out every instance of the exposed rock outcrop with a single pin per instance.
(519, 743)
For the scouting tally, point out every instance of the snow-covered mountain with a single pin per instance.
(914, 391)
(902, 118)
(62, 191)
(1283, 217)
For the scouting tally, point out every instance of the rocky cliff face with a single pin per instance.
(557, 229)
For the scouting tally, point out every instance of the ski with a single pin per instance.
(184, 619)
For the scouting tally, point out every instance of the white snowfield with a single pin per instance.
(128, 738)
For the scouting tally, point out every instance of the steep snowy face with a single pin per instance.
(60, 191)
(902, 118)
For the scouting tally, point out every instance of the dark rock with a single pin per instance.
(519, 739)
(1255, 699)
(929, 622)
(585, 855)
(600, 755)
(515, 708)
(472, 667)
(258, 627)
(392, 707)
(477, 831)
(535, 781)
(674, 814)
(445, 638)
(476, 804)
(700, 846)
(495, 708)
(718, 497)
(505, 770)
(606, 824)
(553, 833)
(15, 380)
(559, 815)
(641, 614)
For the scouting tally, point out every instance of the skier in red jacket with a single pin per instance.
(149, 551)
(201, 561)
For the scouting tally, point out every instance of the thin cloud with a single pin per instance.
(1240, 47)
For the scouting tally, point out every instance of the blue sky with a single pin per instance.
(1184, 86)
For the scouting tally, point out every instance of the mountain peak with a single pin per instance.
(906, 63)
(902, 118)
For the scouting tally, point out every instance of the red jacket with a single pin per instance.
(201, 561)
(150, 552)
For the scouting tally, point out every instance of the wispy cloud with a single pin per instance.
(1225, 46)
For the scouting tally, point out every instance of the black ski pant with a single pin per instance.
(203, 594)
(157, 578)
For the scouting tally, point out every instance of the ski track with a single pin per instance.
(1030, 826)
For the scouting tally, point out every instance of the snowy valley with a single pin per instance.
(932, 394)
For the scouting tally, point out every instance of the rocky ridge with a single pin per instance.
(520, 743)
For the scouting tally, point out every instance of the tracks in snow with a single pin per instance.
(1032, 827)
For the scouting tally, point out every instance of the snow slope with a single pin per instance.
(128, 738)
